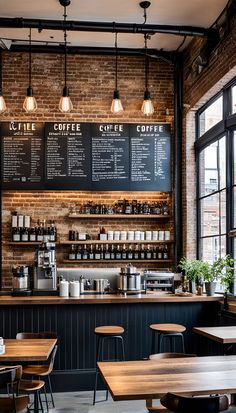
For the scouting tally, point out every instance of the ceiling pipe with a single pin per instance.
(44, 48)
(106, 27)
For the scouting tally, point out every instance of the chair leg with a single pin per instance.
(40, 401)
(95, 386)
(153, 343)
(46, 399)
(50, 387)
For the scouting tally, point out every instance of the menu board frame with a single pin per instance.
(99, 156)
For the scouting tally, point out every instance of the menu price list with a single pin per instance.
(109, 160)
(22, 148)
(150, 155)
(67, 156)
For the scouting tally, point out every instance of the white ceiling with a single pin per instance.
(200, 13)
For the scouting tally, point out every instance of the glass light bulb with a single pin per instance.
(147, 107)
(3, 106)
(30, 104)
(116, 106)
(65, 104)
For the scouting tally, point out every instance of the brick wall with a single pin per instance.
(198, 89)
(91, 83)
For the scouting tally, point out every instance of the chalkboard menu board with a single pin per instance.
(150, 157)
(86, 156)
(110, 160)
(67, 156)
(22, 155)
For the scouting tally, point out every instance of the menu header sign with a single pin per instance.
(86, 156)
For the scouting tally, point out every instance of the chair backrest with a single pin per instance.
(183, 404)
(7, 376)
(51, 359)
(44, 334)
(169, 355)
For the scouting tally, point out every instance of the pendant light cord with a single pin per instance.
(30, 58)
(146, 62)
(116, 79)
(65, 45)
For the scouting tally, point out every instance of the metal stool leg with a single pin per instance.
(160, 342)
(153, 342)
(98, 353)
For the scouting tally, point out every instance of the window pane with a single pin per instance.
(222, 165)
(211, 116)
(212, 248)
(223, 212)
(208, 170)
(210, 215)
(233, 109)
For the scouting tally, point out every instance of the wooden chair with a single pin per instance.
(11, 403)
(160, 408)
(28, 386)
(183, 404)
(41, 370)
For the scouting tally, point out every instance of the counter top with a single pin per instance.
(157, 297)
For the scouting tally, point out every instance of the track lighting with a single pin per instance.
(65, 104)
(116, 105)
(30, 104)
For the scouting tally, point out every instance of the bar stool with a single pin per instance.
(170, 331)
(107, 333)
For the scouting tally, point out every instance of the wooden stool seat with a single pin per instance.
(168, 331)
(168, 328)
(109, 330)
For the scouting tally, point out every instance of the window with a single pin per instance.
(211, 115)
(216, 155)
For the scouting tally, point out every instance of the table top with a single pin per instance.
(27, 349)
(151, 379)
(224, 335)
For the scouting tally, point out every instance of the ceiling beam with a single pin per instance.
(105, 27)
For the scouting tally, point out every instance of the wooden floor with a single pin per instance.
(81, 402)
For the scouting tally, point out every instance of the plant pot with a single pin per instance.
(210, 287)
(192, 287)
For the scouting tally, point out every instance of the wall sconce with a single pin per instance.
(147, 106)
(30, 104)
(116, 105)
(65, 104)
(3, 106)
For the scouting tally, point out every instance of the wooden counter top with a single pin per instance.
(157, 297)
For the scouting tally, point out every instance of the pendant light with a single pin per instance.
(3, 106)
(65, 104)
(116, 105)
(30, 104)
(147, 106)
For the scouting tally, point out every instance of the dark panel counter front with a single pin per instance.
(75, 319)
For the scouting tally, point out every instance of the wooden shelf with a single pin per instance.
(118, 216)
(121, 261)
(96, 241)
(28, 242)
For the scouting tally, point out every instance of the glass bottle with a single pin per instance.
(79, 253)
(124, 252)
(136, 252)
(84, 252)
(91, 253)
(148, 252)
(32, 234)
(97, 252)
(24, 235)
(112, 252)
(16, 234)
(72, 252)
(107, 253)
(130, 254)
(118, 253)
(142, 252)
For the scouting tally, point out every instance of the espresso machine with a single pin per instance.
(45, 269)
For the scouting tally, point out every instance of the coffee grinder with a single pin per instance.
(45, 270)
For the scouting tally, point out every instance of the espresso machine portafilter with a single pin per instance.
(45, 269)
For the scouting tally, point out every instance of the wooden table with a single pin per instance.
(151, 379)
(27, 349)
(224, 335)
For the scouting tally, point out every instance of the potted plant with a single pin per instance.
(221, 270)
(193, 270)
